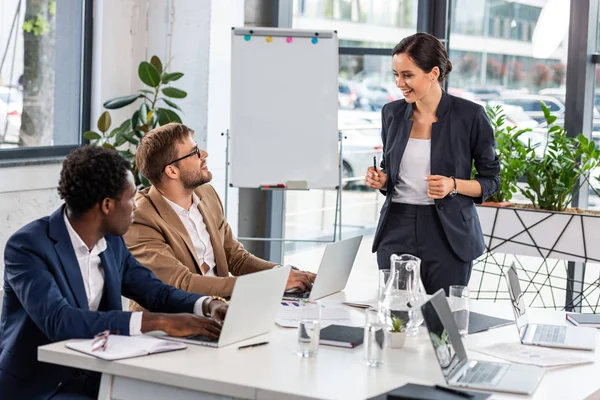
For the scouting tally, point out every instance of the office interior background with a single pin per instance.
(60, 60)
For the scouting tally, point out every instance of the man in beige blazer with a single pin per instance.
(180, 231)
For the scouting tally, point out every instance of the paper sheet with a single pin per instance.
(289, 313)
(533, 355)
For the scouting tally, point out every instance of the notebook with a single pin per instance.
(412, 391)
(119, 347)
(589, 320)
(342, 336)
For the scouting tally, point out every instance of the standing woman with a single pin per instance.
(430, 141)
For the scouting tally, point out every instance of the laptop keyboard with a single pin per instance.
(481, 373)
(201, 338)
(550, 334)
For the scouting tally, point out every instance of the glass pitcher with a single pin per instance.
(403, 295)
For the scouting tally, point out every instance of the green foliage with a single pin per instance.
(565, 165)
(397, 324)
(126, 137)
(511, 152)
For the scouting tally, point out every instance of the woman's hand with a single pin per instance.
(375, 179)
(439, 186)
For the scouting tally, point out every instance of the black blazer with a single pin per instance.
(463, 134)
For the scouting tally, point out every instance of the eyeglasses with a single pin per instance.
(100, 341)
(196, 151)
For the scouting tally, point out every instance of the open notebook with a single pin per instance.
(119, 347)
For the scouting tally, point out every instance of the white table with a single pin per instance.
(275, 371)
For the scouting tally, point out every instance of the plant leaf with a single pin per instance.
(148, 74)
(90, 135)
(170, 77)
(174, 92)
(104, 122)
(121, 102)
(146, 91)
(155, 61)
(166, 116)
(143, 111)
(108, 146)
(129, 138)
(135, 119)
(170, 103)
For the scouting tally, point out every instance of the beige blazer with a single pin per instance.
(159, 241)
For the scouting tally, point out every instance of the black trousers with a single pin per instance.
(416, 230)
(84, 385)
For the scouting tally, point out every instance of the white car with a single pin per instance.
(361, 132)
(11, 107)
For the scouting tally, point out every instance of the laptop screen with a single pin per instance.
(443, 333)
(516, 299)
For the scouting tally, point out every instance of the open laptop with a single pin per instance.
(254, 304)
(333, 272)
(568, 337)
(458, 370)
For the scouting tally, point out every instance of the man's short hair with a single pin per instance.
(89, 175)
(158, 148)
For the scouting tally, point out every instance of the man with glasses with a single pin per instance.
(64, 276)
(180, 231)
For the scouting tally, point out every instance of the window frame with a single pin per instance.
(50, 154)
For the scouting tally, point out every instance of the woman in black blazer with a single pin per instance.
(430, 141)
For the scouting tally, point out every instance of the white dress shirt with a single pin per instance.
(415, 166)
(93, 276)
(196, 229)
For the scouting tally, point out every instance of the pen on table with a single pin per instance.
(454, 391)
(252, 345)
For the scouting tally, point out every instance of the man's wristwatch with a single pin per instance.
(453, 192)
(219, 298)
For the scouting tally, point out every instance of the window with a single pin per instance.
(367, 31)
(492, 51)
(41, 101)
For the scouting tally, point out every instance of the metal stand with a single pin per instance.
(337, 224)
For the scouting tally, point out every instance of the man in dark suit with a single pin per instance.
(64, 276)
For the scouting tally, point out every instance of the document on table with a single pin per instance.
(289, 313)
(533, 355)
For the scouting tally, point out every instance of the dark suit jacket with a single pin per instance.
(461, 135)
(45, 302)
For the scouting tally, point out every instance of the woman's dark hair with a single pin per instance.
(427, 52)
(89, 175)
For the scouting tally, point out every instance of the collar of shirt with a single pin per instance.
(182, 211)
(79, 245)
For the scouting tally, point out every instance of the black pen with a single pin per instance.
(252, 345)
(454, 391)
(375, 163)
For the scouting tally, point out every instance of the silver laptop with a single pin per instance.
(254, 304)
(458, 370)
(333, 272)
(568, 337)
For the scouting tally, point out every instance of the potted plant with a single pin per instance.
(547, 228)
(396, 334)
(512, 153)
(157, 108)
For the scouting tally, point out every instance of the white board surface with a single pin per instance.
(284, 107)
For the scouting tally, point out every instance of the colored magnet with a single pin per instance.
(315, 40)
(247, 37)
(269, 39)
(288, 39)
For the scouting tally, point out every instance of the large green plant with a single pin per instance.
(566, 163)
(156, 108)
(511, 152)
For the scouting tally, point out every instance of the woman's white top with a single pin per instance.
(411, 186)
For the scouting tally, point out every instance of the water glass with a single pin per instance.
(374, 338)
(309, 328)
(384, 275)
(459, 304)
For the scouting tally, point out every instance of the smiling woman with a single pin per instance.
(430, 141)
